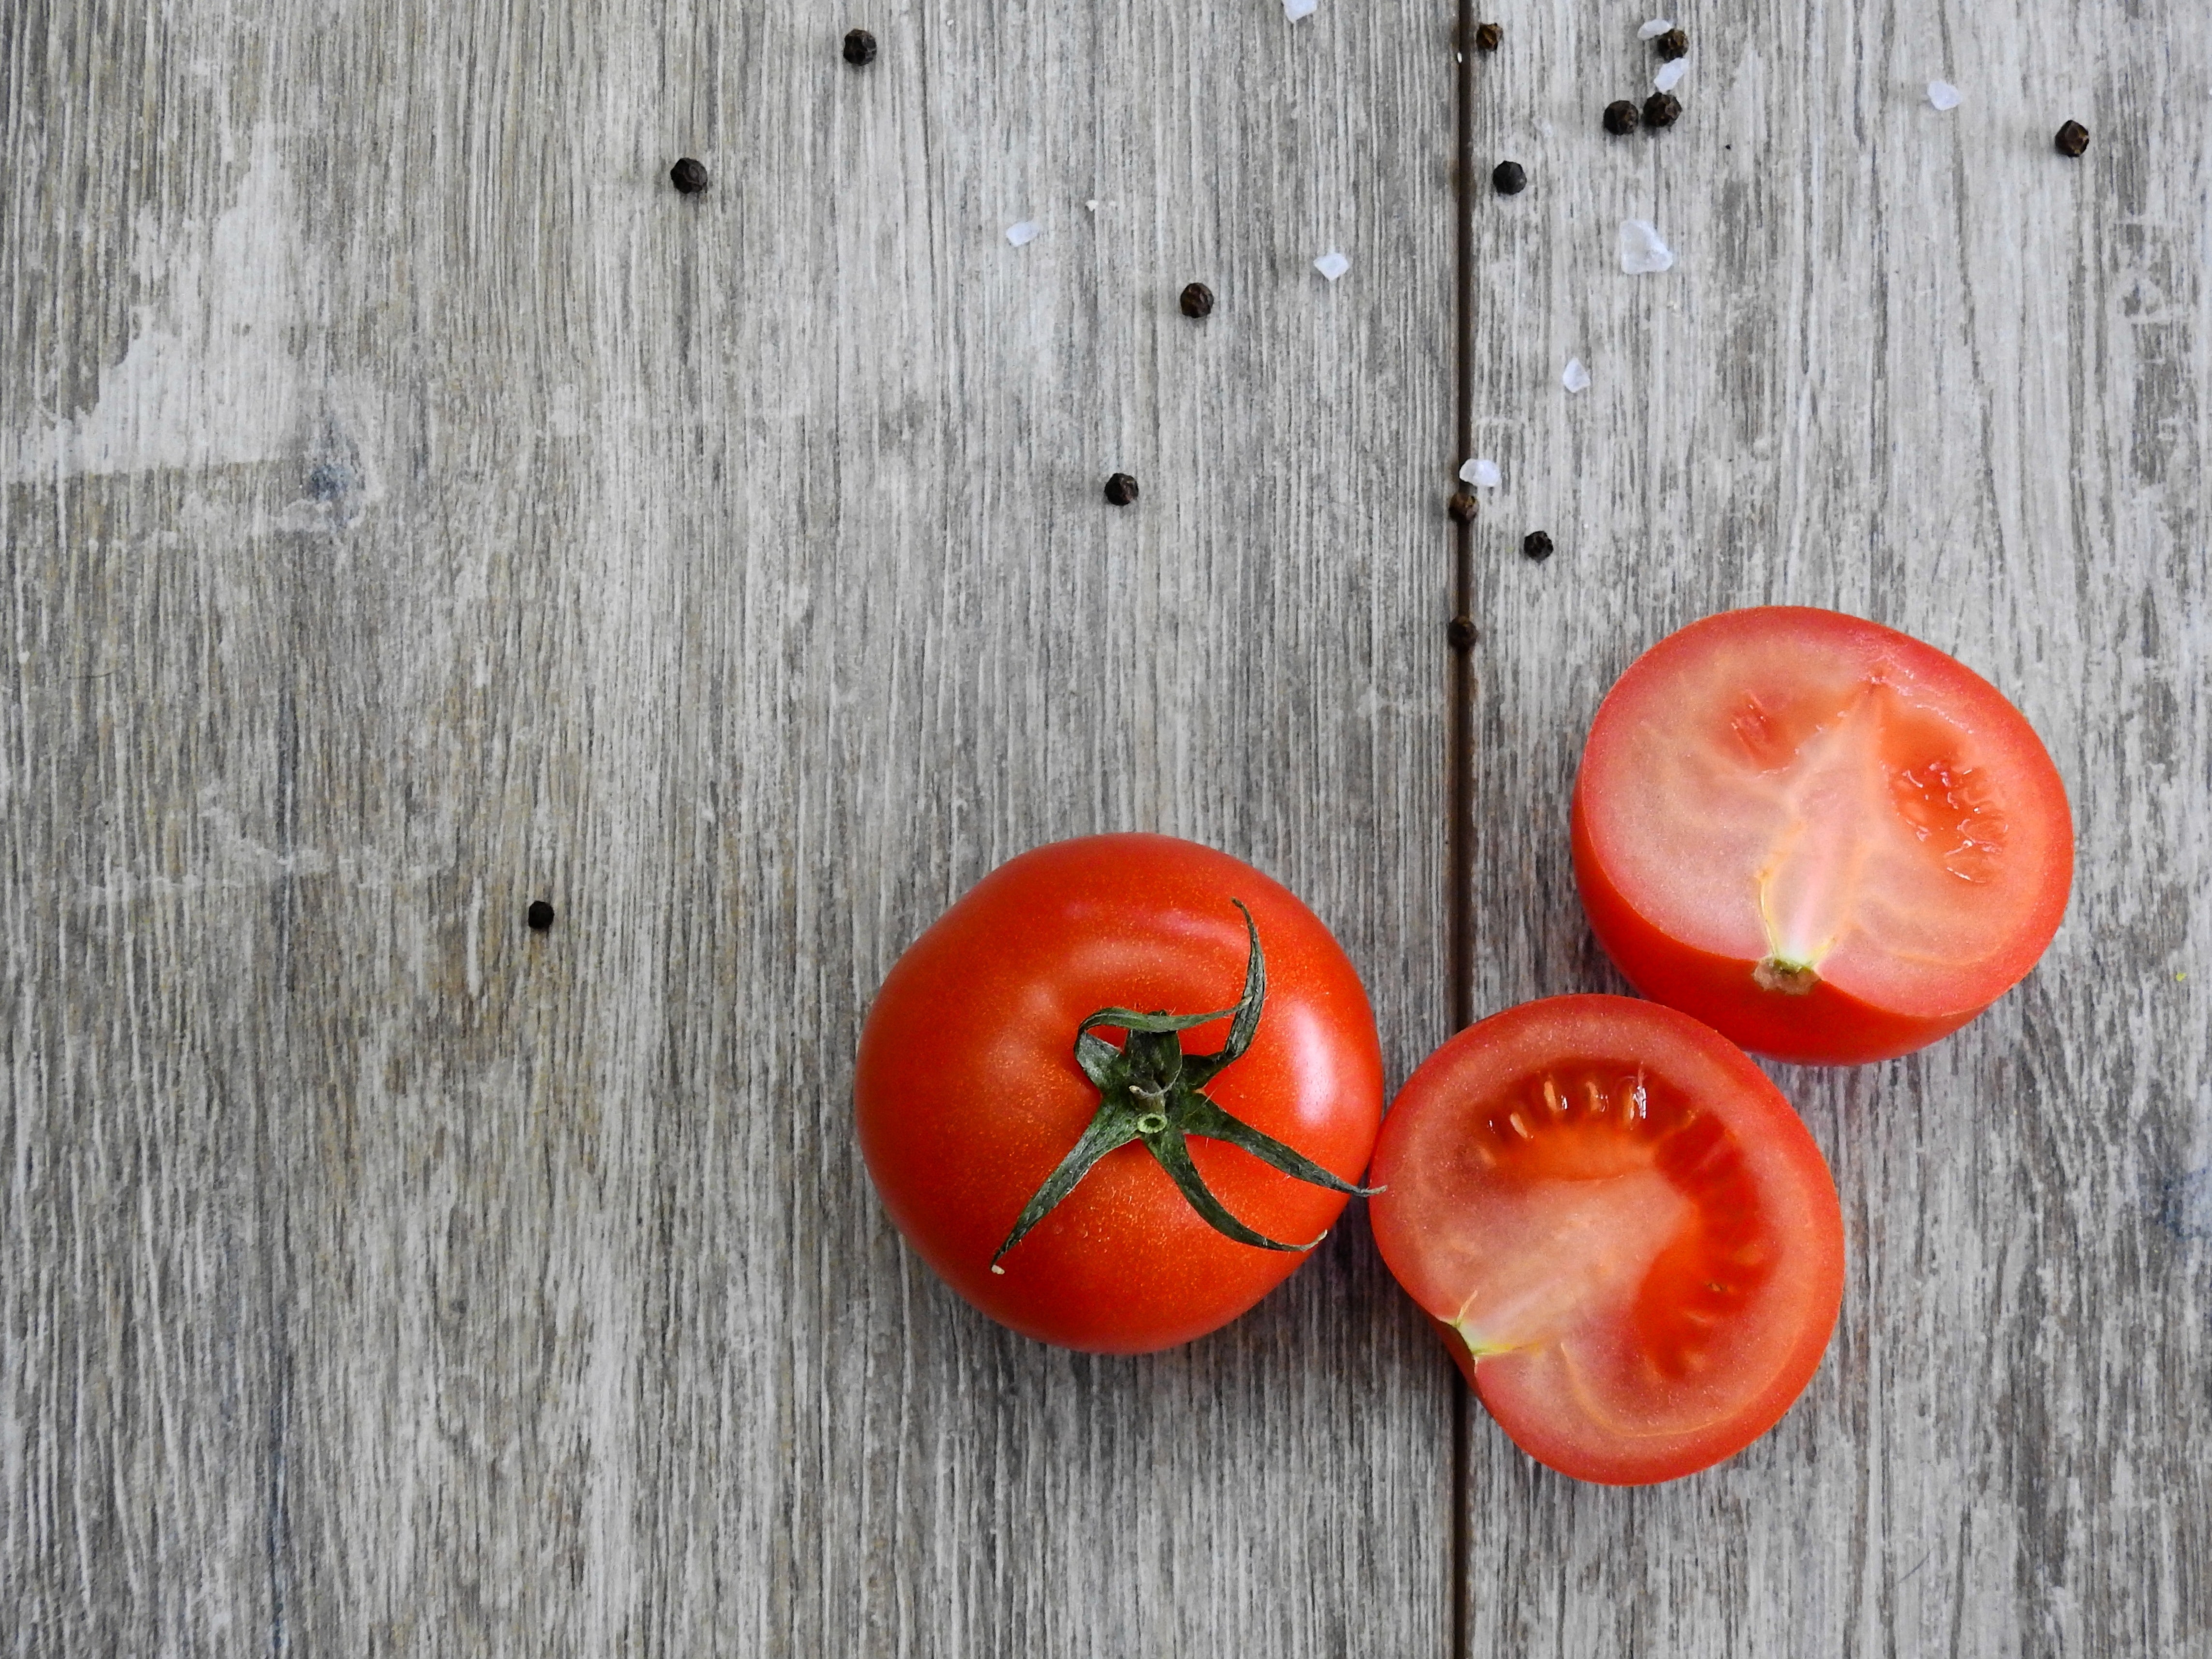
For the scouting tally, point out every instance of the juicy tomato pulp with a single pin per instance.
(969, 1094)
(1630, 1243)
(1830, 841)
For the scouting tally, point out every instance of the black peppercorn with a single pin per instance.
(1460, 631)
(1461, 506)
(1488, 36)
(1661, 109)
(1509, 178)
(540, 916)
(688, 176)
(1120, 489)
(1619, 116)
(1537, 545)
(859, 48)
(1197, 301)
(2073, 138)
(1674, 44)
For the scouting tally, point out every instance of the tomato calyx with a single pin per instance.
(1152, 1091)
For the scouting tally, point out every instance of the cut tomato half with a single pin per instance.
(1828, 841)
(1632, 1245)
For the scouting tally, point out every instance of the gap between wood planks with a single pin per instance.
(1459, 720)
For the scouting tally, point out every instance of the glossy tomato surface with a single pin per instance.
(969, 1094)
(1830, 841)
(1630, 1243)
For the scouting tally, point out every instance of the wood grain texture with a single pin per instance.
(413, 508)
(1918, 367)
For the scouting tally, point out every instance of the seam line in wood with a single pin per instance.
(1459, 726)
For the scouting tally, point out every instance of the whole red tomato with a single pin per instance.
(1828, 841)
(1116, 1199)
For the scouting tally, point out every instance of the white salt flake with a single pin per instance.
(1670, 73)
(1092, 204)
(1332, 265)
(1023, 234)
(1295, 10)
(1943, 94)
(1654, 28)
(1576, 378)
(1642, 252)
(1482, 472)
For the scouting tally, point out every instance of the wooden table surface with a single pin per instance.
(413, 507)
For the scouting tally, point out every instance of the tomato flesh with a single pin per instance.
(1829, 841)
(1631, 1240)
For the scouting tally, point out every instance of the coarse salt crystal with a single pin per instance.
(1642, 252)
(1092, 204)
(1654, 28)
(1670, 73)
(1576, 378)
(1023, 234)
(1943, 94)
(1482, 472)
(1295, 10)
(1332, 265)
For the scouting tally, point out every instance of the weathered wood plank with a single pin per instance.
(413, 508)
(1916, 366)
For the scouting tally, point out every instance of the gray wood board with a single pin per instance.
(412, 508)
(1917, 366)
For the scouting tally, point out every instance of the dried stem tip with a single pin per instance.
(1120, 489)
(1674, 44)
(688, 176)
(859, 48)
(2073, 138)
(1462, 507)
(1509, 178)
(1661, 109)
(1488, 36)
(1619, 116)
(1197, 301)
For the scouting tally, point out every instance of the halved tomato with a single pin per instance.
(1828, 841)
(1627, 1239)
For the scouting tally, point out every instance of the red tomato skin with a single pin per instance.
(1458, 1064)
(1824, 1026)
(967, 1095)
